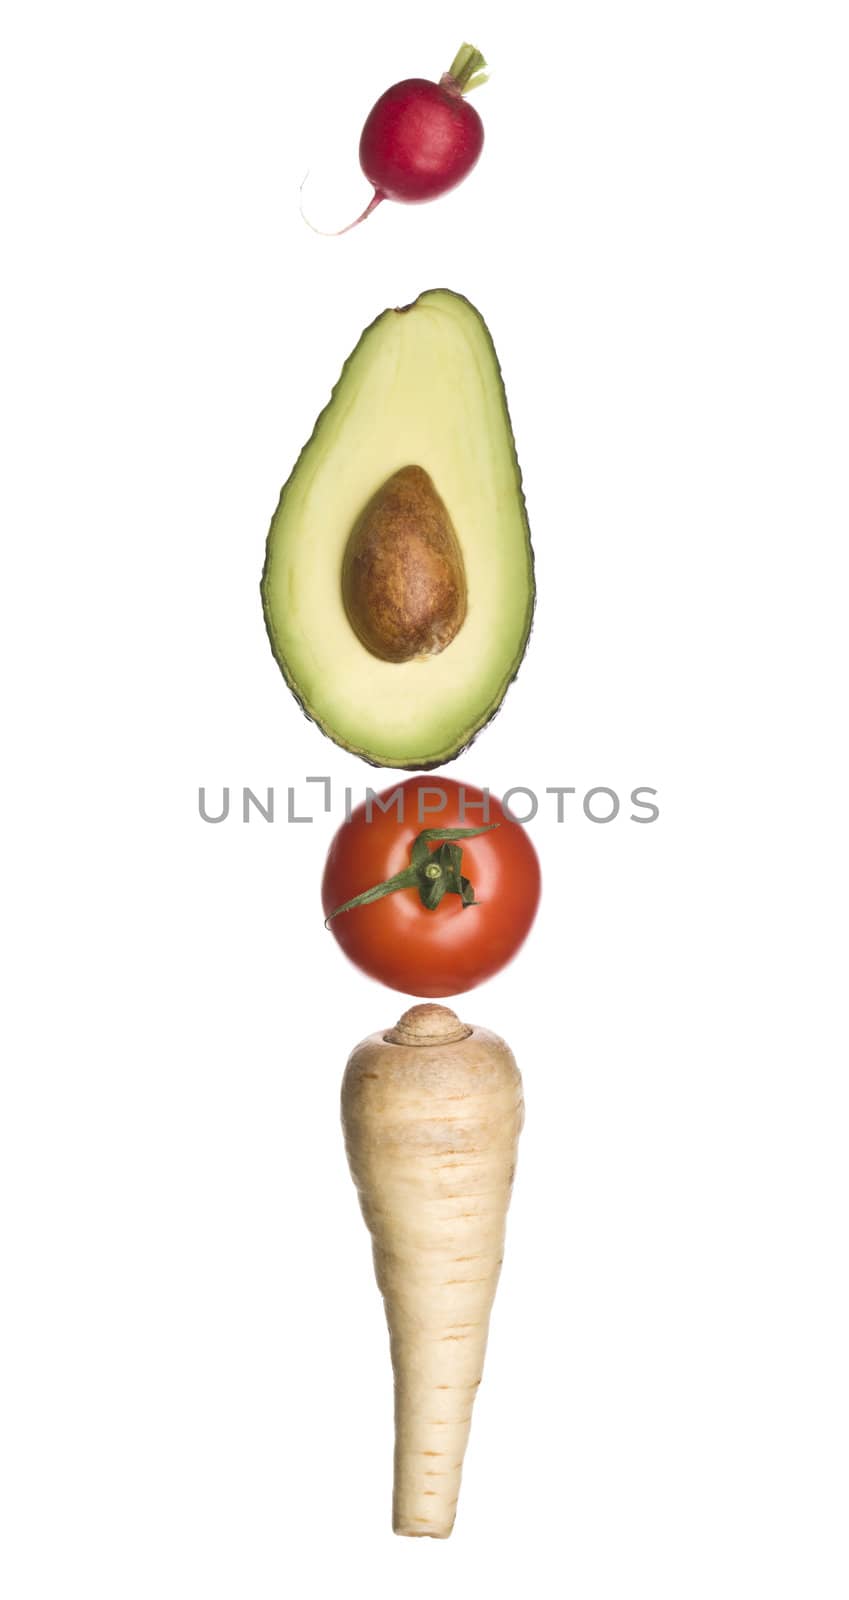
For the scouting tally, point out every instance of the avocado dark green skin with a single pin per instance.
(441, 761)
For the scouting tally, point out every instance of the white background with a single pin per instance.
(196, 1387)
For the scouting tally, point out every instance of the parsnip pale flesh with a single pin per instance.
(432, 1113)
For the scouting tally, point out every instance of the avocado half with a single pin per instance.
(423, 387)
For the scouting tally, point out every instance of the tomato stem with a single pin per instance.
(434, 873)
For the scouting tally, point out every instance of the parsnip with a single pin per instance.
(432, 1113)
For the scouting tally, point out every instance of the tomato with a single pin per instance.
(396, 939)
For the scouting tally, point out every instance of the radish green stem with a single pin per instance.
(465, 72)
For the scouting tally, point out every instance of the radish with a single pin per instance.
(432, 1112)
(421, 138)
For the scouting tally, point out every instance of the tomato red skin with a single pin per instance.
(432, 954)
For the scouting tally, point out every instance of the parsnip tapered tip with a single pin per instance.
(422, 1533)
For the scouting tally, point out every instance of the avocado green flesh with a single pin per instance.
(422, 387)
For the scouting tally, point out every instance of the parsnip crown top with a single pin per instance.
(428, 1024)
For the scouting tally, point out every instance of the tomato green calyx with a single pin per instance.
(434, 873)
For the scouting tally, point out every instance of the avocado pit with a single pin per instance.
(403, 578)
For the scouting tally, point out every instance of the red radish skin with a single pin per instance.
(421, 138)
(419, 141)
